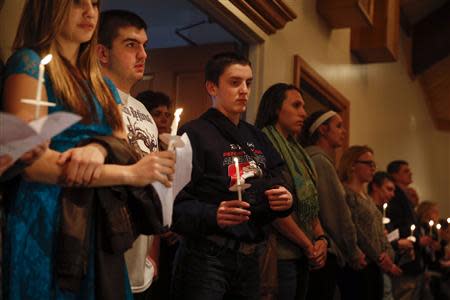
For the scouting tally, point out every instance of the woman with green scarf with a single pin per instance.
(301, 242)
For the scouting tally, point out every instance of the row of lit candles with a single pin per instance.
(431, 224)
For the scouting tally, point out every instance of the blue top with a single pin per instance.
(34, 214)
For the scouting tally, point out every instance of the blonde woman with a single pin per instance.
(65, 29)
(356, 169)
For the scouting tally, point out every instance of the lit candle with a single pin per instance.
(44, 62)
(431, 223)
(412, 229)
(238, 178)
(174, 128)
(448, 220)
(438, 227)
(412, 238)
(385, 220)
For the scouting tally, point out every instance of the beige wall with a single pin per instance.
(388, 110)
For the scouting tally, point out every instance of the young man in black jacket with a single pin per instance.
(411, 285)
(223, 236)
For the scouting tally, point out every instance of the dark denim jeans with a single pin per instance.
(206, 271)
(293, 277)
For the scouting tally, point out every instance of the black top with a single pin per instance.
(402, 215)
(215, 142)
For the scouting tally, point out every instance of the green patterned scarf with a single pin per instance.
(303, 174)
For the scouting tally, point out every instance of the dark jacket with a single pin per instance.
(402, 215)
(215, 142)
(112, 218)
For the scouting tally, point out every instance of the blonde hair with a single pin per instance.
(40, 23)
(348, 159)
(424, 210)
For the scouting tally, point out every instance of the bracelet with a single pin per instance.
(324, 238)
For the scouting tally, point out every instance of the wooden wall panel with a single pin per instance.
(381, 42)
(346, 13)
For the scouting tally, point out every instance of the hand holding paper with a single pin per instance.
(18, 137)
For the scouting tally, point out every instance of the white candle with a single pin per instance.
(176, 120)
(438, 227)
(412, 229)
(238, 178)
(384, 210)
(431, 223)
(174, 128)
(412, 238)
(42, 64)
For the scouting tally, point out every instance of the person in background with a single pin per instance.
(159, 106)
(302, 244)
(413, 196)
(73, 81)
(381, 190)
(322, 134)
(356, 169)
(411, 285)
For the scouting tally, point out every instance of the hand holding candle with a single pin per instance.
(385, 220)
(412, 238)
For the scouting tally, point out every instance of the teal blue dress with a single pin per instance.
(34, 213)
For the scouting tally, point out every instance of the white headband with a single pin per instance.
(321, 120)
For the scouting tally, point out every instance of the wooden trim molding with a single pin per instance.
(346, 13)
(269, 15)
(303, 71)
(221, 14)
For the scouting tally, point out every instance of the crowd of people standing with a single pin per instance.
(82, 220)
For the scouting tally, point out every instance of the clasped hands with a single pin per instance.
(234, 212)
(83, 165)
(317, 254)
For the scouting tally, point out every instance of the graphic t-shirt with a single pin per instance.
(142, 134)
(140, 127)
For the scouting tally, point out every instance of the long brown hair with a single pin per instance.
(41, 22)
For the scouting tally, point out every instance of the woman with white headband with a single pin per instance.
(323, 132)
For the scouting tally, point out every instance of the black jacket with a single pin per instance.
(402, 215)
(215, 142)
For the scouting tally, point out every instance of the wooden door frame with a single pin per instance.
(303, 71)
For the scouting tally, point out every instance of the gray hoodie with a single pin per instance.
(334, 214)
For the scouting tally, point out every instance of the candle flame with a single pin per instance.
(413, 227)
(385, 206)
(178, 112)
(431, 223)
(438, 226)
(448, 220)
(46, 59)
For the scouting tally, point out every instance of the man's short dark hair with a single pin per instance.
(152, 100)
(394, 166)
(219, 62)
(112, 20)
(378, 180)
